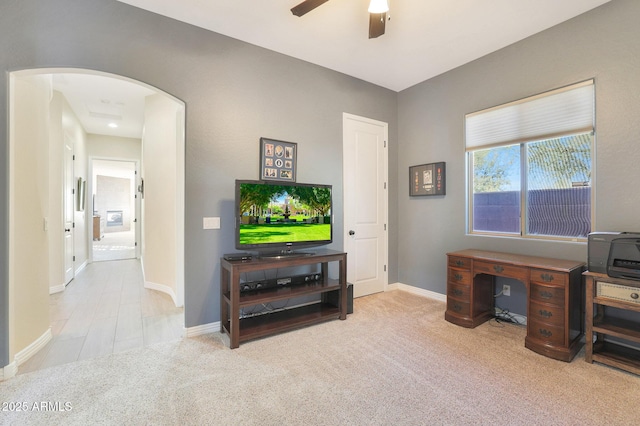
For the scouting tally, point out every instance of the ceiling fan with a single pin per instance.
(377, 14)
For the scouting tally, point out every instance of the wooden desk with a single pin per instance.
(555, 302)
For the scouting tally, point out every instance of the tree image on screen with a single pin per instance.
(280, 214)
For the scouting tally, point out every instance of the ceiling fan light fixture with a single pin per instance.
(378, 6)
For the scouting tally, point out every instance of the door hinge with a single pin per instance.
(73, 157)
(74, 258)
(385, 268)
(135, 220)
(135, 244)
(73, 225)
(385, 144)
(385, 226)
(385, 185)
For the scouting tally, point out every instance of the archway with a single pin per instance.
(41, 118)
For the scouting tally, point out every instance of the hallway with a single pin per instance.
(105, 310)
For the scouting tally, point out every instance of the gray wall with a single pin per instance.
(603, 44)
(234, 94)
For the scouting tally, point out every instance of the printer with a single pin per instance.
(616, 254)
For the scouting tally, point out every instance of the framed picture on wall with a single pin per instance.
(278, 160)
(427, 179)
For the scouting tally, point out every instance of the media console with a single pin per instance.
(232, 299)
(554, 296)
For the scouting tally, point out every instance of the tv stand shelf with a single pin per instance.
(231, 299)
(283, 293)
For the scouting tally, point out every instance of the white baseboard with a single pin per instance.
(8, 371)
(81, 267)
(199, 330)
(419, 291)
(60, 288)
(24, 355)
(392, 287)
(56, 289)
(164, 289)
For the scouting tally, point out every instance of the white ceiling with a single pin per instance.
(99, 100)
(424, 38)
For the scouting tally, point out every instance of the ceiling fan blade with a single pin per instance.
(306, 6)
(377, 22)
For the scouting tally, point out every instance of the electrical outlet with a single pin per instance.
(506, 290)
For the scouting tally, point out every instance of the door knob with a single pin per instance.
(67, 230)
(352, 232)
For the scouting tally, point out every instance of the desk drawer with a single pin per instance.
(458, 277)
(547, 294)
(550, 314)
(459, 291)
(458, 308)
(546, 332)
(502, 270)
(548, 277)
(459, 262)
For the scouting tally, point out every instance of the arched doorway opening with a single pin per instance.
(53, 110)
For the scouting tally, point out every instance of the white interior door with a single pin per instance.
(365, 203)
(68, 203)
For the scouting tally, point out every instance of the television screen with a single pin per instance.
(273, 216)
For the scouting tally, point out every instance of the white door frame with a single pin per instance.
(137, 204)
(68, 217)
(383, 192)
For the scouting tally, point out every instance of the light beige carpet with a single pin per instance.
(395, 361)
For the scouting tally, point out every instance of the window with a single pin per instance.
(530, 166)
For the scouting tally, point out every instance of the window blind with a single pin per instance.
(560, 112)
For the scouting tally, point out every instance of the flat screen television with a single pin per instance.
(276, 217)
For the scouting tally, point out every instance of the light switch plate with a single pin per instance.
(210, 223)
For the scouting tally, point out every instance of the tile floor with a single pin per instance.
(105, 310)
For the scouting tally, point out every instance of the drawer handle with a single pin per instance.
(459, 263)
(498, 268)
(546, 294)
(634, 296)
(545, 333)
(546, 278)
(544, 313)
(457, 292)
(458, 277)
(457, 307)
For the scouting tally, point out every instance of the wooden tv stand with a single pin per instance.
(232, 300)
(554, 296)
